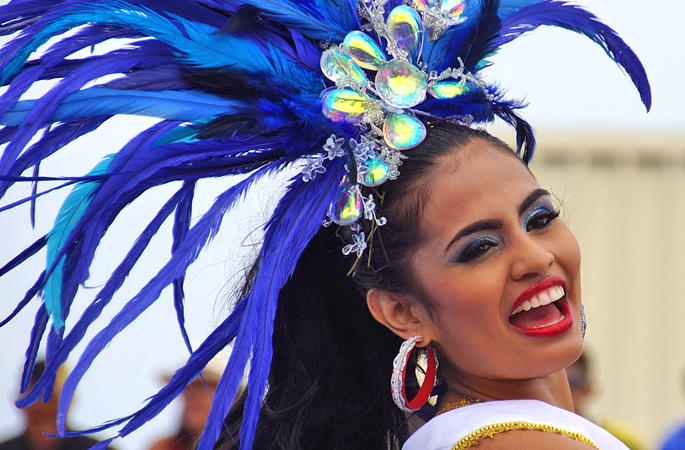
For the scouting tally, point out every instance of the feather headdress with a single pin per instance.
(240, 87)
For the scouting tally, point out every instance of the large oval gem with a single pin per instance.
(376, 172)
(337, 65)
(453, 8)
(364, 50)
(405, 27)
(402, 131)
(449, 89)
(342, 105)
(347, 207)
(401, 84)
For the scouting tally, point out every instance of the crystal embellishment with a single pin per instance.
(374, 173)
(364, 50)
(404, 24)
(449, 89)
(401, 84)
(348, 206)
(343, 105)
(453, 8)
(340, 68)
(403, 132)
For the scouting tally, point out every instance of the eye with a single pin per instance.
(476, 249)
(539, 218)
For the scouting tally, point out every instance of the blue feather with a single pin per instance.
(30, 295)
(327, 21)
(34, 196)
(105, 295)
(39, 325)
(41, 110)
(443, 53)
(575, 18)
(198, 236)
(78, 230)
(296, 219)
(172, 105)
(217, 341)
(52, 141)
(182, 218)
(212, 345)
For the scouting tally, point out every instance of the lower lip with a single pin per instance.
(551, 330)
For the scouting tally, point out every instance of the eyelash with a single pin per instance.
(477, 248)
(537, 219)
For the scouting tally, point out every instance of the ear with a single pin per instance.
(400, 313)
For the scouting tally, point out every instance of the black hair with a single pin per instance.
(329, 381)
(386, 263)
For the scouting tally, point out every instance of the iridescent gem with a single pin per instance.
(342, 105)
(449, 89)
(401, 84)
(402, 131)
(453, 8)
(364, 50)
(347, 207)
(337, 65)
(425, 4)
(405, 27)
(376, 172)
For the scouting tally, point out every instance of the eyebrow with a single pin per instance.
(494, 224)
(532, 198)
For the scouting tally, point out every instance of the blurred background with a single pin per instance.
(619, 173)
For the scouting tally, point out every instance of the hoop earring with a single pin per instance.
(399, 369)
(583, 321)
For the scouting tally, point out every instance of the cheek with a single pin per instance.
(568, 253)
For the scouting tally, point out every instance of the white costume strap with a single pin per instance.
(463, 428)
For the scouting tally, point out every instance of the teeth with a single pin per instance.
(541, 299)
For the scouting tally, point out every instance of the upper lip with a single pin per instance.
(540, 286)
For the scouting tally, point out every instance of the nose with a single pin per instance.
(531, 258)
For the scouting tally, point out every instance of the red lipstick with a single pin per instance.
(540, 320)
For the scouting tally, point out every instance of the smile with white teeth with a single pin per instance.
(540, 299)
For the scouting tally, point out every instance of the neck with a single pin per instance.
(552, 389)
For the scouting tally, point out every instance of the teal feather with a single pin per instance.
(69, 214)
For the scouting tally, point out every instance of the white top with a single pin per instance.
(460, 425)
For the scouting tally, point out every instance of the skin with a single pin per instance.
(480, 352)
(41, 420)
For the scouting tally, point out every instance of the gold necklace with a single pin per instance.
(465, 401)
(450, 406)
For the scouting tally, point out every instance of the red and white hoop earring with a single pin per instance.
(399, 369)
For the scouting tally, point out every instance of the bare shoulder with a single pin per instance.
(531, 440)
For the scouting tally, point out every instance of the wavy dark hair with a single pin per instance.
(329, 381)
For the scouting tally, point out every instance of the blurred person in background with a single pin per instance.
(41, 422)
(583, 392)
(197, 401)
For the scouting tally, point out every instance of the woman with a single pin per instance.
(451, 244)
(472, 237)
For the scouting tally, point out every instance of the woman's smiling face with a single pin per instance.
(492, 247)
